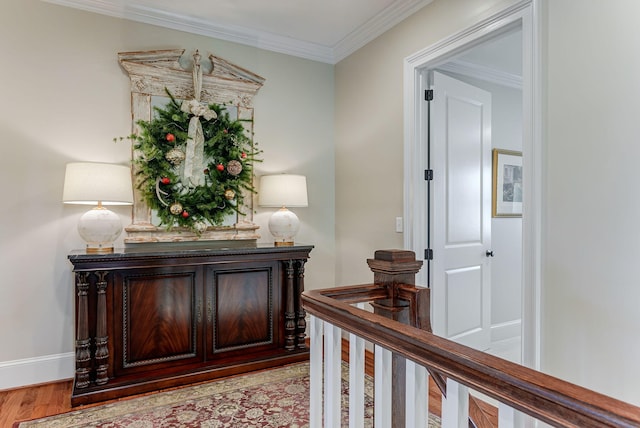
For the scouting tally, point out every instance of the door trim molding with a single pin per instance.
(526, 14)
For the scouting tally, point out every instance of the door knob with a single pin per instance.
(489, 253)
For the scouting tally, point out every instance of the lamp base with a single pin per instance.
(99, 227)
(284, 225)
(99, 250)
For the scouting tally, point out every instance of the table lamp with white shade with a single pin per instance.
(99, 184)
(282, 191)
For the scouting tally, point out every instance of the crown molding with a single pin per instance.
(483, 73)
(385, 20)
(237, 34)
(380, 23)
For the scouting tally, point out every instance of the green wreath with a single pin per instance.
(228, 175)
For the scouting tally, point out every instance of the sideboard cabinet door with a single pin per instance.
(158, 319)
(242, 310)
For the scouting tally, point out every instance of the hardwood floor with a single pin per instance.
(34, 402)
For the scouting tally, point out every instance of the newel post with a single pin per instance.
(406, 303)
(396, 270)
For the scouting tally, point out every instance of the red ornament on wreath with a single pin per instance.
(220, 167)
(185, 214)
(165, 180)
(170, 138)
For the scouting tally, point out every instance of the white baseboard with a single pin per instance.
(506, 330)
(31, 371)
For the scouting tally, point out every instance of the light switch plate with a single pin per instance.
(399, 225)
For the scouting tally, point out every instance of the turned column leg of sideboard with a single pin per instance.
(301, 322)
(83, 342)
(289, 311)
(102, 339)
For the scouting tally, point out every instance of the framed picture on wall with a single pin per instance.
(507, 183)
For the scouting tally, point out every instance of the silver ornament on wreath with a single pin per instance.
(200, 226)
(175, 156)
(234, 167)
(176, 208)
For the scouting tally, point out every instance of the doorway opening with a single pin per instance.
(498, 56)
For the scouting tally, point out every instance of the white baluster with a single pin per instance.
(417, 398)
(356, 379)
(315, 373)
(382, 388)
(455, 408)
(506, 416)
(332, 375)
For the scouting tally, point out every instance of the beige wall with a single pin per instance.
(64, 98)
(591, 289)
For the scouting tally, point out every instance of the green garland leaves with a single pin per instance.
(229, 155)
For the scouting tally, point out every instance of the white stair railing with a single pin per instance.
(326, 386)
(551, 400)
(382, 410)
(326, 390)
(356, 379)
(455, 407)
(399, 332)
(315, 373)
(417, 405)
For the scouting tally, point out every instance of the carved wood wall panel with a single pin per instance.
(152, 73)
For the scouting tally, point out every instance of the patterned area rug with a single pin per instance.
(272, 398)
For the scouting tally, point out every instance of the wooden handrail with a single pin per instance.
(544, 397)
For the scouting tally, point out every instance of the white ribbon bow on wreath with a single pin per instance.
(194, 163)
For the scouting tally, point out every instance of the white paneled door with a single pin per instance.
(461, 211)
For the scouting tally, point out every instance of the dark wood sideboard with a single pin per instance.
(149, 318)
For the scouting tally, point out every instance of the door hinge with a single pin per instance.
(428, 174)
(428, 254)
(428, 94)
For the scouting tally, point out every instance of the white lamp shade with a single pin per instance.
(90, 183)
(283, 190)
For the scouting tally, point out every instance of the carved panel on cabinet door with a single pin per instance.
(243, 309)
(160, 319)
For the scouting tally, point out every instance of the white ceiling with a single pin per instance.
(498, 60)
(321, 30)
(502, 53)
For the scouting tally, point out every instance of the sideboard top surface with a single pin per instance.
(188, 251)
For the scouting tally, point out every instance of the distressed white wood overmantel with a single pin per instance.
(153, 73)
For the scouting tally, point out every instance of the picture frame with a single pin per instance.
(507, 183)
